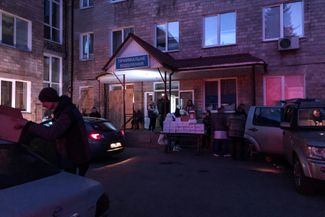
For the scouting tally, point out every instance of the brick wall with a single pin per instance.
(144, 14)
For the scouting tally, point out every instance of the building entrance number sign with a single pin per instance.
(132, 62)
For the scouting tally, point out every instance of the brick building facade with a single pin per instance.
(240, 28)
(35, 38)
(195, 35)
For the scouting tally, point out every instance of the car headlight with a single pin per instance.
(316, 153)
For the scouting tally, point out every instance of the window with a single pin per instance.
(53, 20)
(267, 116)
(118, 37)
(52, 72)
(15, 31)
(221, 92)
(167, 36)
(86, 3)
(15, 93)
(220, 29)
(278, 88)
(283, 20)
(87, 46)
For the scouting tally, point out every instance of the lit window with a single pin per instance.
(87, 46)
(283, 20)
(118, 37)
(15, 94)
(86, 3)
(220, 29)
(167, 36)
(278, 88)
(52, 72)
(53, 20)
(15, 31)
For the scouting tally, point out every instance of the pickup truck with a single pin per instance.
(263, 134)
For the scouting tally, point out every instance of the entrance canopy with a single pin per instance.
(140, 61)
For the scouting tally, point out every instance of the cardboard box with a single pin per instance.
(8, 119)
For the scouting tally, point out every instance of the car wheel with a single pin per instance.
(303, 184)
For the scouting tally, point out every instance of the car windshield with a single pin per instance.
(311, 117)
(104, 126)
(19, 166)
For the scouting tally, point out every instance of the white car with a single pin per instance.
(31, 187)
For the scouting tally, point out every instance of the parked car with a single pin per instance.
(263, 134)
(104, 138)
(30, 186)
(303, 125)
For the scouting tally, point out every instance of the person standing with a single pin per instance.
(94, 113)
(236, 130)
(207, 130)
(152, 113)
(68, 130)
(219, 129)
(164, 109)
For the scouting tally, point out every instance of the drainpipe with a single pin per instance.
(72, 47)
(254, 84)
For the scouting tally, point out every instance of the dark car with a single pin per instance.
(104, 138)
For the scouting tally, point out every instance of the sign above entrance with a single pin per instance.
(132, 62)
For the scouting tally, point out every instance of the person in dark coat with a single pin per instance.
(68, 130)
(94, 113)
(219, 129)
(163, 108)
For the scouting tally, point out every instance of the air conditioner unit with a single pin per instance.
(288, 43)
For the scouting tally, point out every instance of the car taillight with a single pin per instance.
(95, 136)
(102, 205)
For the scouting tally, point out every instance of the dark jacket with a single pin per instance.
(68, 129)
(219, 122)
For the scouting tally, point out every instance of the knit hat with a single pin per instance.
(48, 94)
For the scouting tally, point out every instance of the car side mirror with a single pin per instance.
(285, 125)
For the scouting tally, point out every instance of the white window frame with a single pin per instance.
(281, 20)
(219, 90)
(166, 36)
(29, 29)
(50, 72)
(89, 56)
(218, 30)
(50, 20)
(13, 90)
(88, 5)
(283, 93)
(123, 36)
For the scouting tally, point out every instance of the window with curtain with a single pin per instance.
(278, 88)
(87, 46)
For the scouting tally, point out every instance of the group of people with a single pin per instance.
(225, 132)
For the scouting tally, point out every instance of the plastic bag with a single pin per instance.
(162, 139)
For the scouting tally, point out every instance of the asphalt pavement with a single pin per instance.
(146, 182)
